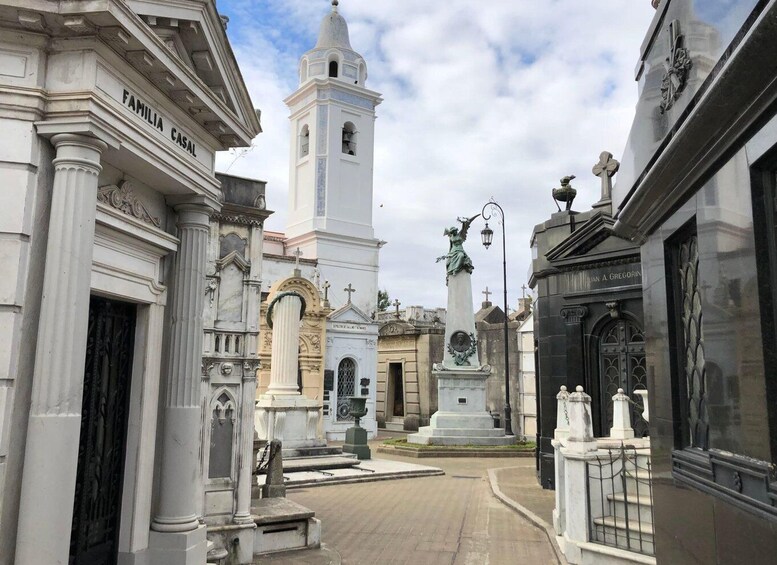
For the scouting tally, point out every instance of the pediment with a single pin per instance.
(587, 240)
(350, 314)
(234, 258)
(195, 34)
(395, 328)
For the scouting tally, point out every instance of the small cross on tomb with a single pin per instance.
(605, 169)
(487, 293)
(396, 304)
(350, 290)
(297, 254)
(327, 286)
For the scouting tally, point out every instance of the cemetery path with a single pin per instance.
(452, 519)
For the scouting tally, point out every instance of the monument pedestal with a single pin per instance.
(291, 419)
(462, 418)
(356, 443)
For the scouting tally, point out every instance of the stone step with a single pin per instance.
(639, 508)
(464, 432)
(632, 536)
(320, 463)
(304, 452)
(395, 426)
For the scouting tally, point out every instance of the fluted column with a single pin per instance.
(51, 450)
(179, 475)
(246, 457)
(286, 314)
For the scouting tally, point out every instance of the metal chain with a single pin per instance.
(262, 463)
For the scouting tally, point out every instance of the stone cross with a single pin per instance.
(487, 293)
(327, 286)
(297, 254)
(605, 169)
(397, 304)
(350, 290)
(523, 289)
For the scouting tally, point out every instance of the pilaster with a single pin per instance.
(57, 391)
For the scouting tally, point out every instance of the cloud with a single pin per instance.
(498, 98)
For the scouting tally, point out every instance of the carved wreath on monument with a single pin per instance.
(462, 346)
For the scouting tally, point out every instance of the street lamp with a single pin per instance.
(487, 235)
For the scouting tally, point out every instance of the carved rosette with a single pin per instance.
(677, 66)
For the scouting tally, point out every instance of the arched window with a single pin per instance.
(333, 69)
(222, 430)
(362, 74)
(349, 139)
(304, 141)
(303, 71)
(346, 387)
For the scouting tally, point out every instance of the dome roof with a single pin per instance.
(334, 31)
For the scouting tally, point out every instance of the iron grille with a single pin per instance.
(620, 500)
(346, 387)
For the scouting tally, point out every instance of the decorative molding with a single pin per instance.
(746, 483)
(238, 220)
(677, 65)
(123, 198)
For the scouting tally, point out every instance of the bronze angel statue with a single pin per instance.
(457, 259)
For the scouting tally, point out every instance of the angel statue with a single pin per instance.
(457, 259)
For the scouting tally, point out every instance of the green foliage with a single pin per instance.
(518, 446)
(383, 300)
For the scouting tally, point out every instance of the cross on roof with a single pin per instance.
(327, 286)
(397, 304)
(524, 288)
(350, 290)
(487, 293)
(297, 254)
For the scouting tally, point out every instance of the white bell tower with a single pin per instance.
(331, 164)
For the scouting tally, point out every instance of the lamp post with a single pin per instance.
(487, 235)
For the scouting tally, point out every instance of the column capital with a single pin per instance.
(574, 314)
(80, 151)
(194, 203)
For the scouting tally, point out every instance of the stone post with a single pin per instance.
(177, 536)
(247, 461)
(580, 447)
(621, 417)
(53, 435)
(273, 486)
(560, 434)
(285, 313)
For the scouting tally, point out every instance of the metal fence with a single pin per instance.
(620, 500)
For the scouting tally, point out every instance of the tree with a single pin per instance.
(383, 300)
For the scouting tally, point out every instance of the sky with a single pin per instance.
(491, 99)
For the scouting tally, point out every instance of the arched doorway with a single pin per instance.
(346, 387)
(622, 365)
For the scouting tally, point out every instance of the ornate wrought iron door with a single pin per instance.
(622, 365)
(346, 387)
(102, 446)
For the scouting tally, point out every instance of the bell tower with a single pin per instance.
(332, 117)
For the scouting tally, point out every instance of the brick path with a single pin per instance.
(451, 519)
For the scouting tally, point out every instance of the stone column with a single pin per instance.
(286, 315)
(51, 456)
(177, 536)
(246, 458)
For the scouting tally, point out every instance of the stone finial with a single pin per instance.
(581, 431)
(621, 417)
(656, 3)
(562, 414)
(335, 4)
(605, 169)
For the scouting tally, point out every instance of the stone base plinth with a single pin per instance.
(291, 419)
(356, 443)
(178, 548)
(462, 418)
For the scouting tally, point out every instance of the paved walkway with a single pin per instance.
(451, 519)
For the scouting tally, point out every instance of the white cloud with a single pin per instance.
(498, 98)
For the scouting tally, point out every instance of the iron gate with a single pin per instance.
(346, 388)
(622, 365)
(102, 446)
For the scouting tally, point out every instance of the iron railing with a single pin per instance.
(620, 500)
